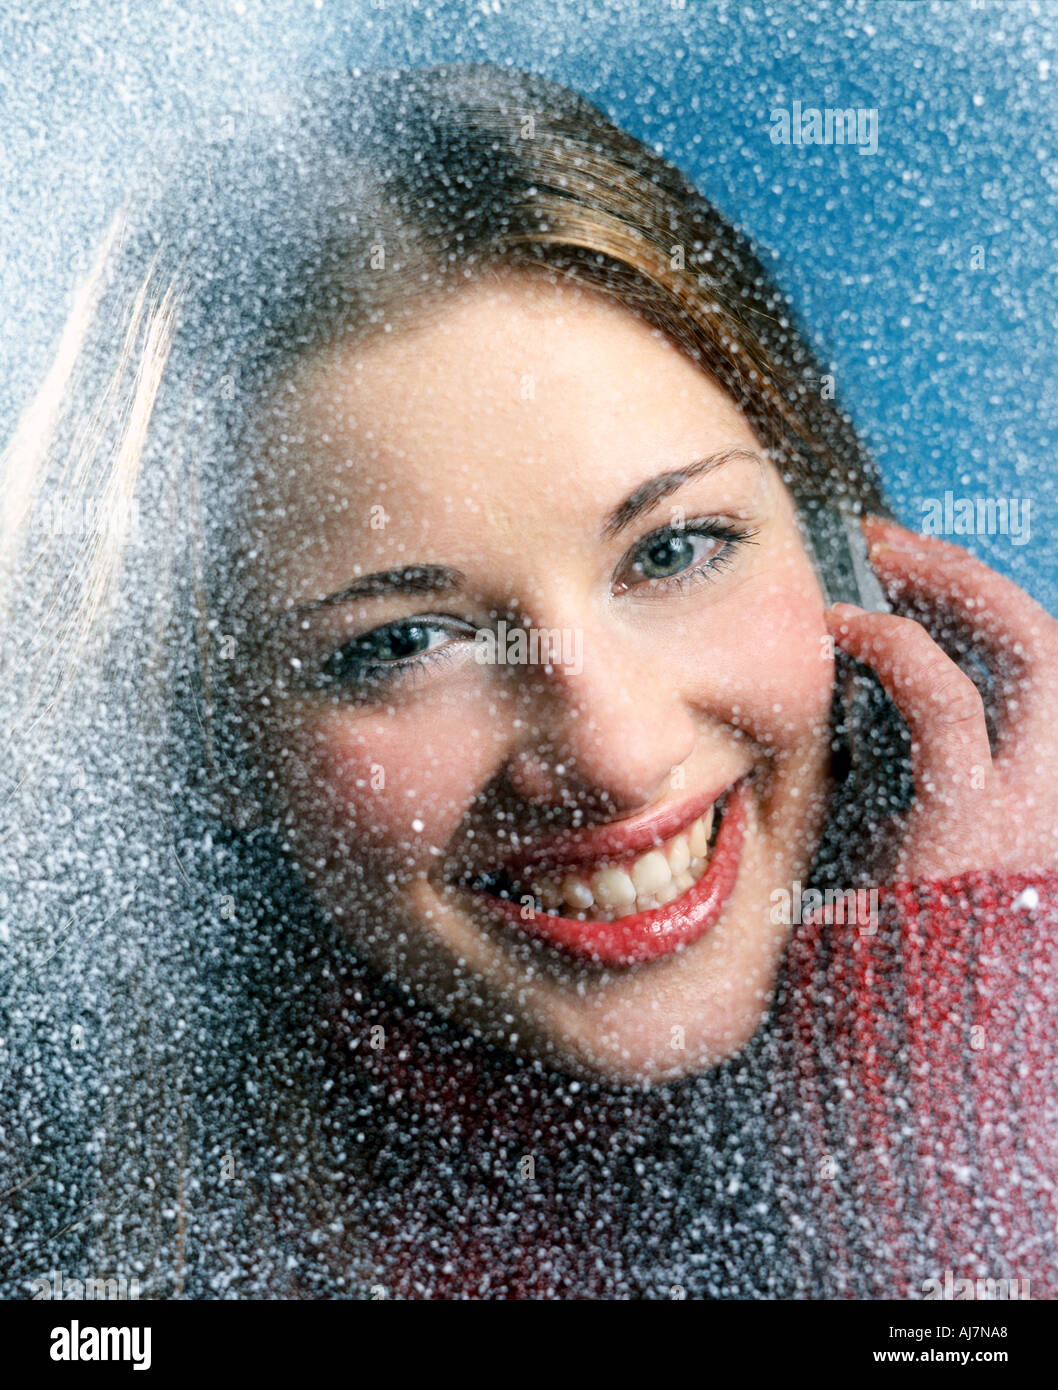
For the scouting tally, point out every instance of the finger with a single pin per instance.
(940, 704)
(946, 576)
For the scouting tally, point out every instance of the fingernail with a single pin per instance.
(838, 611)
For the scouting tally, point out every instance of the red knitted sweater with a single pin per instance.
(912, 1125)
(924, 1088)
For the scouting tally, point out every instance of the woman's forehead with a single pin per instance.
(513, 374)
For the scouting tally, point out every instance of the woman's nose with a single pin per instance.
(610, 734)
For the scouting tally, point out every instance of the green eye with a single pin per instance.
(676, 556)
(666, 555)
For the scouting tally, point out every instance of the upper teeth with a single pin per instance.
(651, 881)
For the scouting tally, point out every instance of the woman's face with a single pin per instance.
(547, 680)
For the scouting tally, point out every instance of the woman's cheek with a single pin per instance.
(773, 672)
(386, 787)
(795, 667)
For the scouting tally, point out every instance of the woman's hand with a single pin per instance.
(973, 809)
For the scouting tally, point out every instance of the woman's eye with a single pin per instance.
(389, 651)
(397, 643)
(680, 551)
(666, 555)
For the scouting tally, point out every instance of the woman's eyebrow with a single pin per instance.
(651, 492)
(410, 579)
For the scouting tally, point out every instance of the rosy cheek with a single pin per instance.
(795, 668)
(391, 786)
(773, 671)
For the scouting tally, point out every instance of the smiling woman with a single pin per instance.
(402, 969)
(519, 775)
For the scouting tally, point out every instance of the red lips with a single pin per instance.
(606, 843)
(643, 935)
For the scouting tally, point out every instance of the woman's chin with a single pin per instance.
(638, 1046)
(636, 1021)
(641, 1026)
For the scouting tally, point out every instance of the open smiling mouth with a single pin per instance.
(620, 908)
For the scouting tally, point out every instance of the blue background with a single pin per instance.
(948, 371)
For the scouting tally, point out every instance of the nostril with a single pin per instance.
(534, 778)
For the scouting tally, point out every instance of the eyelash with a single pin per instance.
(369, 678)
(704, 571)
